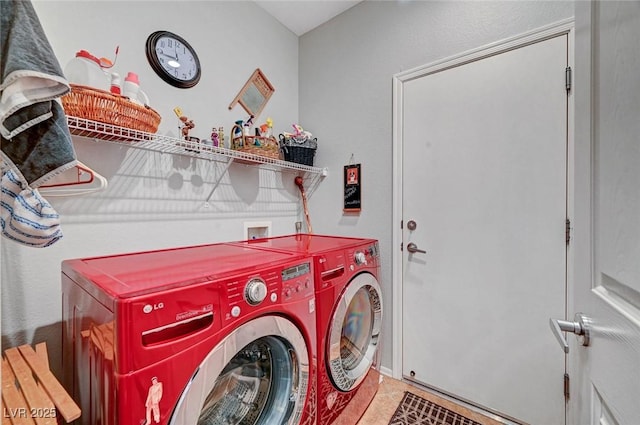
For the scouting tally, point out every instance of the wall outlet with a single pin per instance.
(257, 230)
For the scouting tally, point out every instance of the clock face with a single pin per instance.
(173, 59)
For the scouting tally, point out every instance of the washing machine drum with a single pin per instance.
(354, 332)
(264, 383)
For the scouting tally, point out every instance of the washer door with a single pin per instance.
(354, 332)
(257, 375)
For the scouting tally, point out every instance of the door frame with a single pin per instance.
(582, 251)
(564, 27)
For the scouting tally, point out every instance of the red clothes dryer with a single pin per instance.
(349, 319)
(196, 335)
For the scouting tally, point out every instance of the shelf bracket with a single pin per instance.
(217, 183)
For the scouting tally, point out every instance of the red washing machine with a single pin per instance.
(210, 334)
(349, 319)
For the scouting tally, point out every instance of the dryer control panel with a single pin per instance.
(365, 256)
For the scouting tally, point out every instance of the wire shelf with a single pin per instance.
(158, 143)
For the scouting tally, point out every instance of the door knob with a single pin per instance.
(413, 248)
(581, 327)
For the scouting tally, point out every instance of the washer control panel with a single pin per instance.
(296, 280)
(246, 293)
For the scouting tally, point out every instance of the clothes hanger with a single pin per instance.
(78, 180)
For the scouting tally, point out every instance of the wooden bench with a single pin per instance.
(31, 394)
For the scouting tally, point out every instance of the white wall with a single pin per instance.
(346, 70)
(341, 73)
(153, 200)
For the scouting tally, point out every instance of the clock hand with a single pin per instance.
(173, 61)
(169, 56)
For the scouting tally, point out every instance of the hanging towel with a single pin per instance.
(25, 216)
(44, 150)
(31, 73)
(35, 138)
(35, 142)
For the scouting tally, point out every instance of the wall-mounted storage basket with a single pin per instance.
(300, 150)
(256, 145)
(101, 106)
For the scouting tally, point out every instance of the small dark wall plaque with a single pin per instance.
(352, 193)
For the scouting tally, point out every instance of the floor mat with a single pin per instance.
(415, 410)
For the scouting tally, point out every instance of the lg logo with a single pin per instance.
(148, 308)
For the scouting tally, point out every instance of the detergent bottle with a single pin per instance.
(131, 89)
(116, 86)
(87, 70)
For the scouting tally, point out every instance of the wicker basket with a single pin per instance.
(300, 150)
(256, 145)
(101, 106)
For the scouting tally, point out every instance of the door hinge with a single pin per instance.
(566, 387)
(567, 231)
(567, 78)
(401, 246)
(402, 224)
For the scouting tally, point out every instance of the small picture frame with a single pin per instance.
(353, 175)
(352, 188)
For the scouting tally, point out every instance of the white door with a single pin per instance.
(605, 376)
(485, 182)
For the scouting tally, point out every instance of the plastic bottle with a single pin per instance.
(85, 70)
(131, 89)
(115, 83)
(269, 127)
(221, 136)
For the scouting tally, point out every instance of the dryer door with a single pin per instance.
(354, 332)
(257, 375)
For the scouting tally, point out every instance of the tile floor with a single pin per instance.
(390, 394)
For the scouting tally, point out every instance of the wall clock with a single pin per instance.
(173, 59)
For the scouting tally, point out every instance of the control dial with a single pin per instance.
(255, 291)
(360, 258)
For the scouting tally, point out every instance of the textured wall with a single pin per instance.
(158, 200)
(346, 70)
(341, 73)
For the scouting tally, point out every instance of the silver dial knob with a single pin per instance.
(360, 258)
(255, 291)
